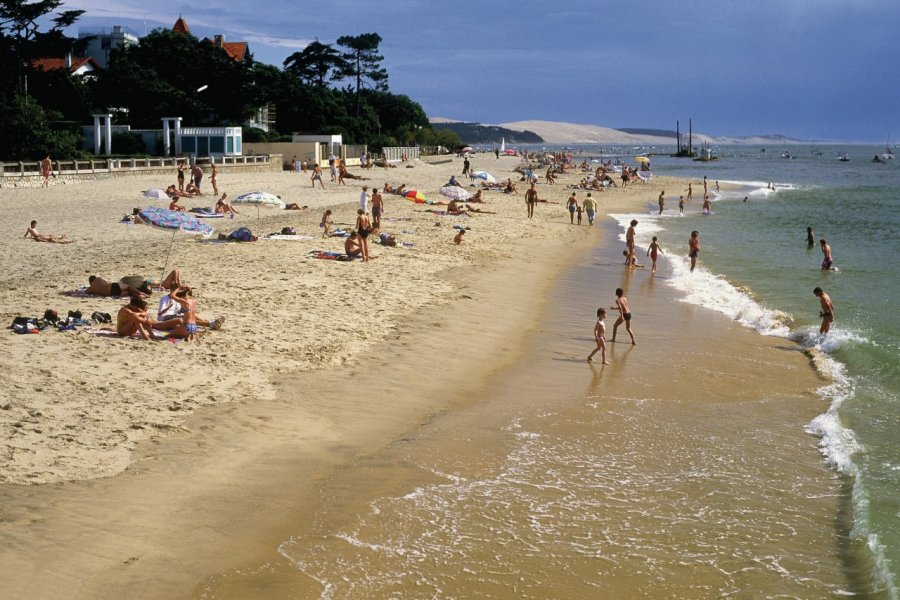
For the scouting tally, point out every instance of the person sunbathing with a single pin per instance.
(352, 246)
(223, 207)
(477, 197)
(174, 192)
(45, 237)
(295, 206)
(173, 205)
(97, 286)
(510, 187)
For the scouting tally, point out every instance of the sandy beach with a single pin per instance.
(145, 470)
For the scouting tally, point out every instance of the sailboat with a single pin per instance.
(888, 151)
(502, 145)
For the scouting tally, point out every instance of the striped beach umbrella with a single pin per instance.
(415, 196)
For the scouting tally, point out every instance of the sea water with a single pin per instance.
(530, 503)
(757, 269)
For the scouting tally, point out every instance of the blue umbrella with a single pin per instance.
(174, 221)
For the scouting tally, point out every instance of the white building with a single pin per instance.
(105, 41)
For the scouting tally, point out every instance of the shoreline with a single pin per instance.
(283, 438)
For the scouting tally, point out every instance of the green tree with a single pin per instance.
(21, 39)
(362, 63)
(172, 74)
(314, 64)
(30, 133)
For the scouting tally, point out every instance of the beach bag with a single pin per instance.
(242, 234)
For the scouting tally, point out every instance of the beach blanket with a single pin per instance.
(290, 238)
(326, 255)
(112, 333)
(340, 233)
(81, 292)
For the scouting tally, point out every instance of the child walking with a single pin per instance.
(653, 252)
(599, 337)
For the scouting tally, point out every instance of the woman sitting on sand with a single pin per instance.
(173, 205)
(174, 192)
(223, 207)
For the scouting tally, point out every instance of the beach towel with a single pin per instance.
(81, 292)
(208, 216)
(290, 238)
(340, 233)
(326, 255)
(112, 333)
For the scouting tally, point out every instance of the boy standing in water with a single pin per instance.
(681, 205)
(827, 312)
(828, 260)
(624, 314)
(694, 248)
(599, 337)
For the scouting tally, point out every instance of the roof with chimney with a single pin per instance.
(75, 66)
(236, 50)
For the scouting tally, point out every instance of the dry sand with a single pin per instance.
(206, 489)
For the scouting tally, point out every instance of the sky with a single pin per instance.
(809, 69)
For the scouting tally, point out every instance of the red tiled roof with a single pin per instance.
(181, 26)
(55, 64)
(235, 50)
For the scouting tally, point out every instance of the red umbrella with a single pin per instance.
(415, 195)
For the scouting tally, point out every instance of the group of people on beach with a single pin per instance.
(177, 315)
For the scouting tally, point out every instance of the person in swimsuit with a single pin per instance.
(377, 208)
(629, 237)
(827, 312)
(185, 297)
(653, 252)
(531, 196)
(317, 176)
(180, 176)
(706, 205)
(826, 251)
(681, 205)
(133, 319)
(572, 206)
(363, 228)
(624, 314)
(352, 246)
(212, 179)
(694, 248)
(46, 171)
(810, 237)
(458, 238)
(690, 190)
(662, 202)
(599, 337)
(98, 286)
(45, 237)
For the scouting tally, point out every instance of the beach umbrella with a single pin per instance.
(642, 159)
(485, 175)
(259, 199)
(454, 193)
(466, 149)
(415, 196)
(157, 193)
(510, 152)
(174, 221)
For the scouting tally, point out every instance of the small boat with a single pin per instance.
(888, 151)
(706, 154)
(843, 157)
(786, 154)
